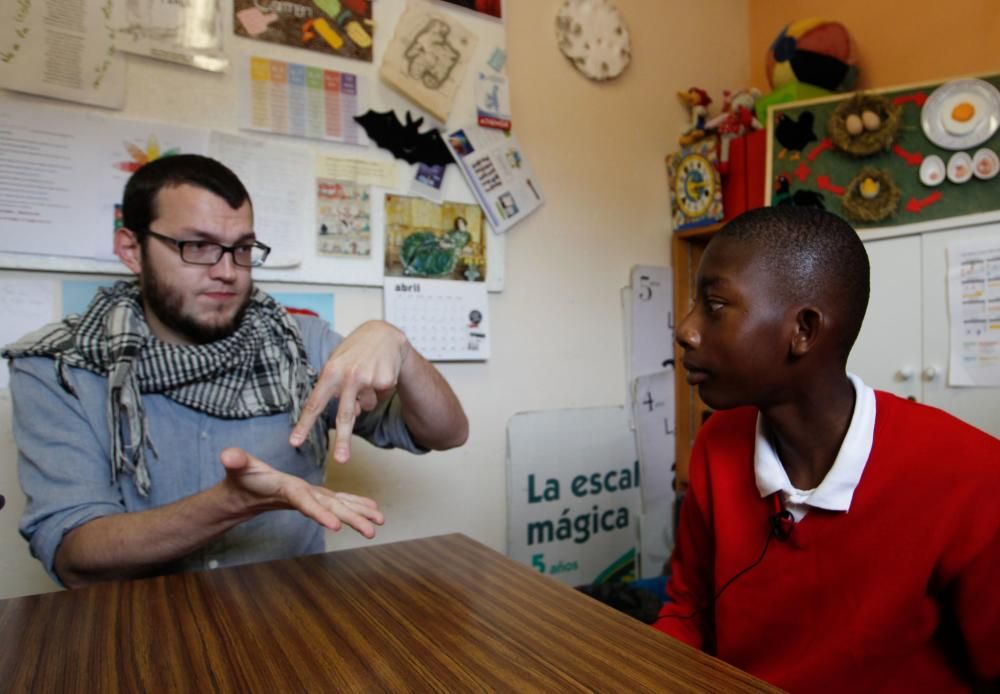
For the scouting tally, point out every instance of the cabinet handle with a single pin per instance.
(904, 374)
(930, 373)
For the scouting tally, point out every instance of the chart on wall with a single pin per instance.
(304, 101)
(888, 158)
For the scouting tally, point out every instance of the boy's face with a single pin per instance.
(737, 336)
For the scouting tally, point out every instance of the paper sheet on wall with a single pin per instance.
(496, 171)
(653, 409)
(25, 305)
(63, 50)
(427, 58)
(65, 171)
(443, 320)
(280, 185)
(366, 172)
(652, 339)
(974, 312)
(46, 160)
(303, 101)
(189, 32)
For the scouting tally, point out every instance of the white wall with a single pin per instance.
(599, 152)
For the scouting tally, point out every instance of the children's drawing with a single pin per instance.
(431, 57)
(343, 219)
(425, 239)
(427, 58)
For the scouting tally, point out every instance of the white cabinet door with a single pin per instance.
(888, 354)
(977, 406)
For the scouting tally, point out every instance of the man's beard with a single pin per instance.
(166, 304)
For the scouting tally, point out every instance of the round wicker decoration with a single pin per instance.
(860, 209)
(868, 142)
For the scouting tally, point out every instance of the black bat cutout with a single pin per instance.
(406, 142)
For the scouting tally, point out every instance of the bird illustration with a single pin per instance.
(800, 198)
(793, 135)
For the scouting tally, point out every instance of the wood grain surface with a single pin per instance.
(437, 614)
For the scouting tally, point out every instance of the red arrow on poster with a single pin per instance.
(916, 206)
(823, 145)
(824, 183)
(802, 173)
(917, 98)
(911, 158)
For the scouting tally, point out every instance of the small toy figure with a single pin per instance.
(736, 119)
(697, 100)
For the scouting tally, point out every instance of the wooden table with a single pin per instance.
(437, 614)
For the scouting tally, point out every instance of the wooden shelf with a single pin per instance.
(687, 248)
(699, 232)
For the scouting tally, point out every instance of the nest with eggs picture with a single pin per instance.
(864, 125)
(871, 196)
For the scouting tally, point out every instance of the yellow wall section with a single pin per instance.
(898, 41)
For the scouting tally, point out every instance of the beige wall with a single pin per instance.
(557, 342)
(898, 41)
(598, 150)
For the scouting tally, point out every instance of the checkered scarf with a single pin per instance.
(261, 369)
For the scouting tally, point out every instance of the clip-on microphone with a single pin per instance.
(782, 520)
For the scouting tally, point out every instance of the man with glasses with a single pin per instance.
(181, 422)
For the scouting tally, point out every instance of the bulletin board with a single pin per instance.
(820, 173)
(152, 86)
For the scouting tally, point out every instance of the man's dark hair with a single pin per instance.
(815, 255)
(139, 200)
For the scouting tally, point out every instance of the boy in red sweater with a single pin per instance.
(833, 538)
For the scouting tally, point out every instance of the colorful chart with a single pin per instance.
(305, 101)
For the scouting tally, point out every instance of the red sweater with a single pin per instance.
(900, 593)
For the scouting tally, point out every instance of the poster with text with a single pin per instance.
(63, 50)
(573, 494)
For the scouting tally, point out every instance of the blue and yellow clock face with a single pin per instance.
(694, 185)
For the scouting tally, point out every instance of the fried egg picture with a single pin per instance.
(960, 113)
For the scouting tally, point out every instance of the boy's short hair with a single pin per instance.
(816, 256)
(139, 199)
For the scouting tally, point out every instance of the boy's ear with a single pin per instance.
(809, 325)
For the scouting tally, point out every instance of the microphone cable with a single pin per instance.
(782, 523)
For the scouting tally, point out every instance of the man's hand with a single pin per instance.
(266, 489)
(361, 371)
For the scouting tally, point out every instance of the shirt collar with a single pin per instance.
(836, 490)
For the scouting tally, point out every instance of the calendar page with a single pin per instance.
(445, 320)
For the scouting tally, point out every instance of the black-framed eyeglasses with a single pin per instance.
(209, 253)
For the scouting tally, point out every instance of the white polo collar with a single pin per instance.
(836, 490)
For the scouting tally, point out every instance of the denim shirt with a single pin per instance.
(65, 470)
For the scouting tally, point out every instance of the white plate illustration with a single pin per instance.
(961, 114)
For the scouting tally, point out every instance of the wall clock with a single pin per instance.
(593, 35)
(695, 189)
